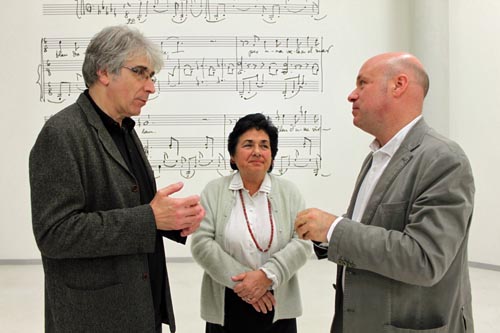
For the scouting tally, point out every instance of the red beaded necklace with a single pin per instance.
(250, 229)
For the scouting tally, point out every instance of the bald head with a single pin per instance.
(390, 91)
(395, 63)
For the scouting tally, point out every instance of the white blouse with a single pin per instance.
(238, 241)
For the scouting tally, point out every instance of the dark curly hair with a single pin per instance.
(253, 121)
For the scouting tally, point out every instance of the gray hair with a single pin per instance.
(110, 48)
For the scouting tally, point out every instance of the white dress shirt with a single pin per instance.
(238, 242)
(380, 159)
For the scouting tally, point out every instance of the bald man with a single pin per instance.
(401, 248)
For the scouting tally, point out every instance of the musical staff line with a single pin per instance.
(138, 12)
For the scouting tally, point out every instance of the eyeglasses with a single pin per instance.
(142, 72)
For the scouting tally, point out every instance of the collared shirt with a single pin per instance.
(238, 242)
(122, 136)
(381, 158)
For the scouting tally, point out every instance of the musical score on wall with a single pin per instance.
(299, 142)
(138, 12)
(277, 67)
(244, 65)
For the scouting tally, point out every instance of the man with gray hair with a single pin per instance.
(97, 216)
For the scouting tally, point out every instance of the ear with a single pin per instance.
(103, 77)
(400, 84)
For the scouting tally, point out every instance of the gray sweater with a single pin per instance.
(207, 249)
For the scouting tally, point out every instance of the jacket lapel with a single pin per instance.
(139, 146)
(102, 133)
(367, 163)
(400, 159)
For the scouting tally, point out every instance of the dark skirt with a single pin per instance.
(241, 317)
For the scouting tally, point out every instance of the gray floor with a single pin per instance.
(21, 297)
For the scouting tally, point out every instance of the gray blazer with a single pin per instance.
(92, 231)
(406, 262)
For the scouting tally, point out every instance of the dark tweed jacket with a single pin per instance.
(92, 231)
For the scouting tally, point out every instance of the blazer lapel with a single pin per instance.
(400, 159)
(102, 133)
(139, 146)
(367, 163)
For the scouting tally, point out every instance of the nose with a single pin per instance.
(149, 86)
(256, 150)
(352, 96)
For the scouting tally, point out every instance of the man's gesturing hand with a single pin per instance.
(183, 214)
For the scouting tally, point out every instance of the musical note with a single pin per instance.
(174, 142)
(209, 143)
(307, 143)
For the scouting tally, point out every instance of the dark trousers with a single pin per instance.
(241, 317)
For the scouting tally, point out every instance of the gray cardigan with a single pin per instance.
(92, 231)
(207, 249)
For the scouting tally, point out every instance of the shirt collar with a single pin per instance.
(394, 143)
(110, 123)
(237, 183)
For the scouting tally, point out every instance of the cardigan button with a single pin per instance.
(145, 276)
(135, 188)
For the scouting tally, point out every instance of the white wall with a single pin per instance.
(475, 113)
(458, 43)
(430, 44)
(20, 50)
(456, 40)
